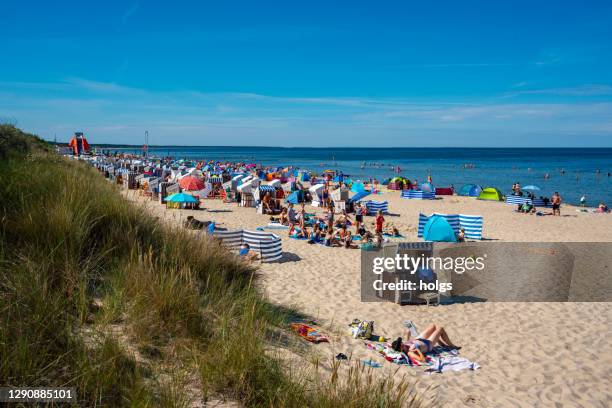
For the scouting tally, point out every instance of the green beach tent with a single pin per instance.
(491, 194)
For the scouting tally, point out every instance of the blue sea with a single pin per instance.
(494, 167)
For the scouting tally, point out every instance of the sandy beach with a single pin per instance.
(531, 354)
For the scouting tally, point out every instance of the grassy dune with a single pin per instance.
(96, 294)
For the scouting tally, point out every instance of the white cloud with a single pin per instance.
(115, 113)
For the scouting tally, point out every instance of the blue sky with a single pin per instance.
(358, 73)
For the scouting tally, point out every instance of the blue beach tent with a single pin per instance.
(357, 187)
(470, 190)
(438, 229)
(293, 198)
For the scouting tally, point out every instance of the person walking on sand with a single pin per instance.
(556, 204)
(583, 200)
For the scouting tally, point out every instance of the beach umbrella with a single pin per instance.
(191, 183)
(181, 198)
(531, 187)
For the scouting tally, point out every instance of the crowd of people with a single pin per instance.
(335, 229)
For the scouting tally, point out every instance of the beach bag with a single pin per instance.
(362, 329)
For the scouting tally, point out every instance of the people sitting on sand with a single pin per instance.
(345, 237)
(527, 207)
(302, 232)
(315, 234)
(343, 219)
(283, 218)
(461, 235)
(329, 237)
(246, 253)
(602, 208)
(266, 203)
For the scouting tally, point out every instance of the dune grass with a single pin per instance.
(97, 294)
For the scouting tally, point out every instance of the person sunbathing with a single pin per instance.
(431, 337)
(603, 208)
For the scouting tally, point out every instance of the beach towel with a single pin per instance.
(450, 361)
(276, 225)
(308, 333)
(438, 360)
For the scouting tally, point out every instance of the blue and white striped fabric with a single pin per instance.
(215, 179)
(267, 244)
(472, 224)
(262, 190)
(374, 206)
(418, 195)
(516, 200)
(266, 188)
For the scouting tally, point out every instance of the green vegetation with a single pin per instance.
(97, 294)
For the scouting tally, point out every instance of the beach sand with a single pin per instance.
(531, 354)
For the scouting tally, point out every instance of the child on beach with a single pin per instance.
(358, 216)
(461, 235)
(380, 220)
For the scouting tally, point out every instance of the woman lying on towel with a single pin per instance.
(432, 336)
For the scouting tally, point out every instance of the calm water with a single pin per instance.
(493, 167)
